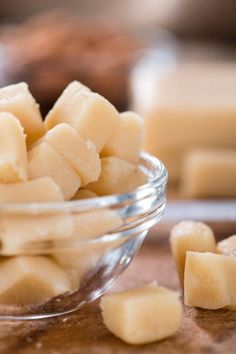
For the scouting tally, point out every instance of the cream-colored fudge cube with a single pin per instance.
(87, 226)
(13, 154)
(17, 100)
(84, 194)
(42, 189)
(95, 223)
(92, 224)
(79, 260)
(210, 280)
(143, 315)
(22, 232)
(89, 113)
(44, 160)
(171, 133)
(80, 153)
(16, 230)
(227, 246)
(117, 176)
(127, 139)
(78, 264)
(190, 236)
(185, 107)
(209, 173)
(31, 280)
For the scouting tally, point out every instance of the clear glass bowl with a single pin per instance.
(56, 257)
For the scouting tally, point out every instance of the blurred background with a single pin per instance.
(171, 61)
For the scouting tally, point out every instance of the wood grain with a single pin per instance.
(202, 332)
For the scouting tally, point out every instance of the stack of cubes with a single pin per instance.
(84, 149)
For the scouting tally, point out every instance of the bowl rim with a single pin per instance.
(158, 180)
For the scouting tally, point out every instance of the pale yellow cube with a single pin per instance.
(87, 226)
(90, 114)
(31, 280)
(26, 232)
(42, 189)
(227, 246)
(44, 160)
(84, 194)
(209, 173)
(79, 264)
(127, 139)
(209, 281)
(117, 176)
(190, 236)
(13, 154)
(17, 230)
(80, 153)
(79, 260)
(186, 106)
(173, 132)
(92, 224)
(143, 315)
(95, 223)
(17, 100)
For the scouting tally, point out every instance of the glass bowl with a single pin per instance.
(56, 257)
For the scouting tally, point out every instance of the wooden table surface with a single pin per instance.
(202, 331)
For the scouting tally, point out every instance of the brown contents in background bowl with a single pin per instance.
(50, 50)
